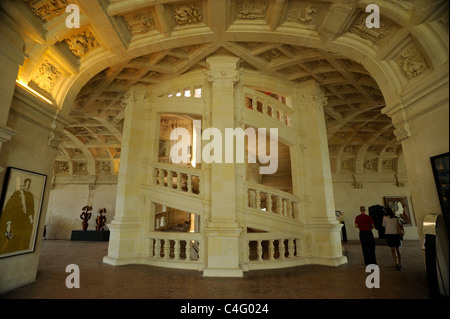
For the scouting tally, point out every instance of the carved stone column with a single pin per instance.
(223, 230)
(317, 188)
(127, 227)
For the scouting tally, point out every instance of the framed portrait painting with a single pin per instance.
(21, 204)
(400, 207)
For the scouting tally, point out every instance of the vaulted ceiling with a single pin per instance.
(149, 42)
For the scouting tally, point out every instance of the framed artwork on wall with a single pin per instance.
(439, 165)
(400, 207)
(21, 204)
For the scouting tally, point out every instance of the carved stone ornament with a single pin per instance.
(137, 95)
(140, 23)
(302, 15)
(372, 34)
(187, 14)
(223, 79)
(62, 167)
(402, 131)
(252, 9)
(54, 140)
(412, 62)
(317, 101)
(47, 9)
(46, 77)
(80, 44)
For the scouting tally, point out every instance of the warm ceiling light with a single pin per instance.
(35, 93)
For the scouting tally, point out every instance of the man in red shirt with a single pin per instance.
(365, 224)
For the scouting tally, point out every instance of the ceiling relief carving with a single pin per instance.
(371, 34)
(152, 39)
(47, 10)
(46, 76)
(187, 14)
(81, 43)
(303, 12)
(412, 61)
(138, 23)
(252, 9)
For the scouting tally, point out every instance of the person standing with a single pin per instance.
(393, 237)
(365, 224)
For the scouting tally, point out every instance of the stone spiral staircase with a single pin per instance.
(266, 209)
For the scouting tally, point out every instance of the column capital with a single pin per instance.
(137, 95)
(311, 97)
(223, 71)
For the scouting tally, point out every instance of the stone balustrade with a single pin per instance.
(270, 200)
(179, 247)
(268, 106)
(176, 177)
(273, 249)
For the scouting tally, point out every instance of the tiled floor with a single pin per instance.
(99, 280)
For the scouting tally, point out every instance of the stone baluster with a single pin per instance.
(179, 181)
(157, 248)
(282, 117)
(265, 108)
(166, 249)
(289, 208)
(279, 205)
(281, 248)
(258, 199)
(252, 198)
(259, 249)
(189, 183)
(177, 249)
(161, 177)
(291, 248)
(269, 202)
(254, 103)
